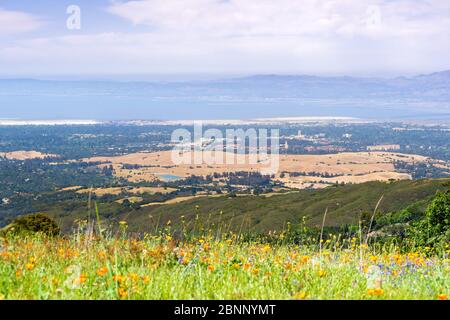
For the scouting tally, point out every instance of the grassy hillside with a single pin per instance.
(261, 213)
(215, 268)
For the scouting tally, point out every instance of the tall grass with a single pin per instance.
(209, 264)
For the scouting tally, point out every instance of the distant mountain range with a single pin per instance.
(238, 98)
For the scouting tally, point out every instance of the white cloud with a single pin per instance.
(318, 18)
(171, 54)
(13, 22)
(251, 36)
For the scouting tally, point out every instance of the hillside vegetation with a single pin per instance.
(261, 213)
(77, 267)
(198, 256)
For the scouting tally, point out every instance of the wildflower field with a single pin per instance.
(226, 267)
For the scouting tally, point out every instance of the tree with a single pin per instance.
(438, 215)
(435, 228)
(365, 219)
(34, 223)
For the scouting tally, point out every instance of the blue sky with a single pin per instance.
(162, 38)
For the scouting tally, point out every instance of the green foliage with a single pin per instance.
(402, 216)
(34, 223)
(262, 214)
(435, 228)
(39, 176)
(365, 219)
(438, 213)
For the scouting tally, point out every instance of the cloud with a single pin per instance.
(248, 37)
(318, 18)
(154, 53)
(13, 22)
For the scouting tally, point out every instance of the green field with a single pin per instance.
(227, 268)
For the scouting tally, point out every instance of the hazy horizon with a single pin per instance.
(203, 77)
(158, 59)
(264, 96)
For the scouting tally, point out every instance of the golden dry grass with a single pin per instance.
(25, 155)
(131, 199)
(319, 182)
(355, 167)
(72, 188)
(117, 190)
(180, 199)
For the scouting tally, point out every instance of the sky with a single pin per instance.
(164, 38)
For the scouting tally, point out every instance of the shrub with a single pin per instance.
(34, 223)
(438, 213)
(435, 228)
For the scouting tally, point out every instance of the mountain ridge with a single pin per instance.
(259, 96)
(254, 76)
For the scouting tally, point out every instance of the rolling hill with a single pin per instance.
(261, 213)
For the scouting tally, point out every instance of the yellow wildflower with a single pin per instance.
(255, 271)
(236, 266)
(102, 271)
(122, 292)
(118, 278)
(375, 292)
(300, 295)
(304, 259)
